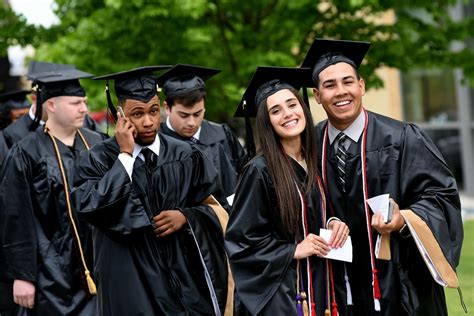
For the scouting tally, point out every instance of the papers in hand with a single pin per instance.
(380, 203)
(230, 199)
(344, 253)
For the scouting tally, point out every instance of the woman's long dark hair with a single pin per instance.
(281, 172)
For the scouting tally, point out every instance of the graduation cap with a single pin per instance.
(60, 82)
(325, 52)
(265, 82)
(183, 79)
(137, 84)
(39, 69)
(14, 99)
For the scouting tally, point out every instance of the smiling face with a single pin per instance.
(286, 115)
(340, 93)
(146, 118)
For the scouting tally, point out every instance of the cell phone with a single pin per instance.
(120, 110)
(390, 212)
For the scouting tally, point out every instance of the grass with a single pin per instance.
(465, 272)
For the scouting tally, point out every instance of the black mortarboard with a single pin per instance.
(268, 80)
(182, 79)
(55, 83)
(14, 99)
(325, 52)
(265, 82)
(39, 68)
(137, 84)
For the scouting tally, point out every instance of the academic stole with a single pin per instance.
(301, 295)
(90, 282)
(363, 158)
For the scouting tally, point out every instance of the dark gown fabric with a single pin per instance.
(36, 237)
(3, 148)
(261, 253)
(222, 147)
(14, 132)
(136, 272)
(404, 162)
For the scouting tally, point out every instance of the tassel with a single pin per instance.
(334, 308)
(327, 312)
(377, 294)
(304, 304)
(348, 289)
(90, 283)
(299, 308)
(313, 309)
(377, 305)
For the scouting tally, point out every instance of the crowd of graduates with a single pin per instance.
(174, 217)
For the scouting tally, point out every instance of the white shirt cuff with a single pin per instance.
(127, 163)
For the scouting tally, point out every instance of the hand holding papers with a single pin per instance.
(344, 253)
(382, 204)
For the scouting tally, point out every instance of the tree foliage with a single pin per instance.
(104, 36)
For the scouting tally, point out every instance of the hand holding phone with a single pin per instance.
(120, 110)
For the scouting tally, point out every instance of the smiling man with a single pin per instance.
(185, 93)
(364, 155)
(158, 239)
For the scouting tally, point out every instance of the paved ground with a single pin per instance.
(467, 205)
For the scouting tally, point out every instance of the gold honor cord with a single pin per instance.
(90, 282)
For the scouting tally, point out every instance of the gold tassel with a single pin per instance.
(327, 312)
(90, 283)
(305, 304)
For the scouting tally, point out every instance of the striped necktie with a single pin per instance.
(341, 156)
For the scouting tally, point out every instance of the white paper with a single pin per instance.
(344, 253)
(380, 203)
(230, 199)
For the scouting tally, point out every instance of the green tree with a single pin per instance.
(103, 36)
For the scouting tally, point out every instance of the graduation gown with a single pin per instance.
(136, 272)
(36, 237)
(261, 253)
(14, 132)
(404, 162)
(3, 148)
(222, 147)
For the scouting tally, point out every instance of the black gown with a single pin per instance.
(222, 147)
(404, 162)
(261, 253)
(3, 148)
(37, 242)
(138, 273)
(14, 132)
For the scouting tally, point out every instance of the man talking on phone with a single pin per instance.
(158, 232)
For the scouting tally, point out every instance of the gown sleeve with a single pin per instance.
(259, 260)
(105, 197)
(431, 194)
(19, 243)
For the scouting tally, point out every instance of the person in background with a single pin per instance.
(185, 106)
(364, 155)
(14, 105)
(273, 235)
(45, 250)
(28, 123)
